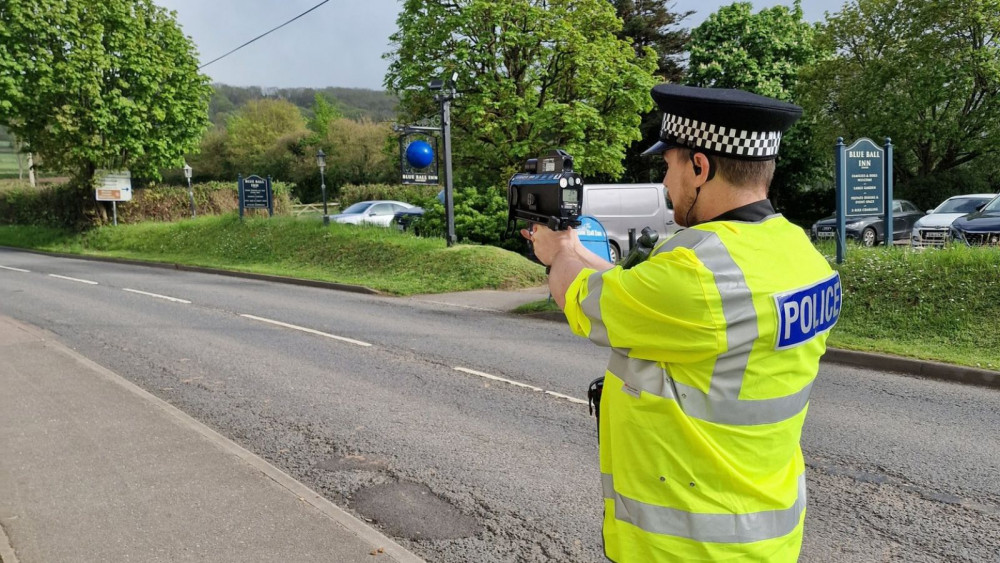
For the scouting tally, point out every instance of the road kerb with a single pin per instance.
(7, 554)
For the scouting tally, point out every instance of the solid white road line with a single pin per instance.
(73, 279)
(15, 269)
(309, 330)
(567, 397)
(519, 384)
(157, 295)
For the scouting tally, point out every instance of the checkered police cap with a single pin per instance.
(730, 123)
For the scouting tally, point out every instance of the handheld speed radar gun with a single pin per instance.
(548, 192)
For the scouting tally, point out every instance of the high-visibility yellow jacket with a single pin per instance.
(716, 341)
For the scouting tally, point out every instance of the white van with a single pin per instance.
(620, 207)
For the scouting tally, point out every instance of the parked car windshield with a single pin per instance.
(960, 205)
(358, 207)
(993, 205)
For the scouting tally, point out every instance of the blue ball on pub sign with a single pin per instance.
(419, 154)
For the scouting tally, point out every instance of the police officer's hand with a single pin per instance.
(548, 243)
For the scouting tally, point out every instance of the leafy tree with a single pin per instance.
(253, 132)
(100, 84)
(356, 152)
(210, 162)
(925, 73)
(764, 53)
(652, 24)
(533, 75)
(220, 107)
(323, 114)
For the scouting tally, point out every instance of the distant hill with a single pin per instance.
(355, 103)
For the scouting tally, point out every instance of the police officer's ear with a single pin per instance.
(697, 163)
(697, 169)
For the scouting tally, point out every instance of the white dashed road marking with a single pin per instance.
(309, 330)
(332, 336)
(15, 269)
(157, 295)
(73, 279)
(519, 384)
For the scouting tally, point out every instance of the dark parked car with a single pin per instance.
(404, 219)
(981, 228)
(870, 231)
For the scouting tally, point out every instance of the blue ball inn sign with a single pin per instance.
(865, 179)
(864, 185)
(255, 193)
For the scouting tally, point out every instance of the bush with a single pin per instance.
(59, 206)
(415, 194)
(480, 218)
(70, 206)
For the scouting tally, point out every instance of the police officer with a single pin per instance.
(715, 342)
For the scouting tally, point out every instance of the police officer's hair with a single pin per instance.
(743, 173)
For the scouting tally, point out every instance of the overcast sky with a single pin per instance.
(340, 44)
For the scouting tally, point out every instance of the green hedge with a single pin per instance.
(51, 206)
(70, 206)
(415, 194)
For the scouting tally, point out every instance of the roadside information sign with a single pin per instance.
(865, 187)
(255, 193)
(115, 185)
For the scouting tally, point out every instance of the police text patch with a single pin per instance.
(805, 312)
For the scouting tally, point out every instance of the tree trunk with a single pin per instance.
(31, 170)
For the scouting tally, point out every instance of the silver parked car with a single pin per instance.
(377, 212)
(932, 229)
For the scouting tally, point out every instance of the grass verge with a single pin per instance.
(935, 304)
(375, 257)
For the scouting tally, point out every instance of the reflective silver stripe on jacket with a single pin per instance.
(644, 375)
(591, 306)
(704, 527)
(721, 404)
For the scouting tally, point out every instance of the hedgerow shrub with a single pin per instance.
(480, 218)
(59, 205)
(353, 193)
(70, 206)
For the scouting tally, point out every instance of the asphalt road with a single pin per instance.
(393, 409)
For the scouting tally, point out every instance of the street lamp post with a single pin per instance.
(187, 174)
(321, 162)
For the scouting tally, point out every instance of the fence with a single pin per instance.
(313, 208)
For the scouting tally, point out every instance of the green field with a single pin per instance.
(8, 161)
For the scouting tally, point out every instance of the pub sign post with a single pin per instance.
(255, 193)
(864, 186)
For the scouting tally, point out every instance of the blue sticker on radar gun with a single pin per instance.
(803, 313)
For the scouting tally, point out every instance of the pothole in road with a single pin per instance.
(351, 463)
(412, 510)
